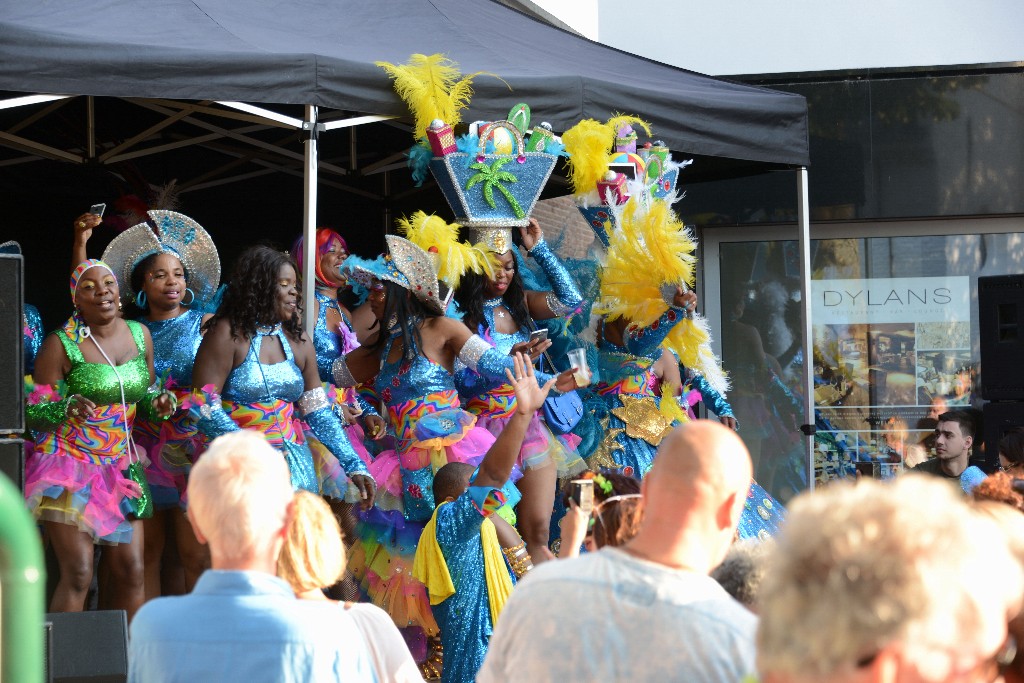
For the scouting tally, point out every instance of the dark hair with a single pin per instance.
(451, 480)
(400, 304)
(472, 293)
(138, 275)
(962, 418)
(622, 484)
(1012, 445)
(250, 300)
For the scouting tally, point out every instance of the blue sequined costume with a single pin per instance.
(431, 429)
(173, 445)
(32, 335)
(329, 345)
(465, 617)
(262, 396)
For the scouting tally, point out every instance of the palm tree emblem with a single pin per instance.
(493, 178)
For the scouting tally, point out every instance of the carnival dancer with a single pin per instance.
(503, 312)
(334, 336)
(83, 479)
(255, 367)
(171, 269)
(410, 363)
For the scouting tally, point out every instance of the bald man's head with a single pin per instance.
(698, 467)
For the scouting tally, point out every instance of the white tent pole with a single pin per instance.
(803, 220)
(310, 126)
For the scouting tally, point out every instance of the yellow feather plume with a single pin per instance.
(691, 341)
(588, 144)
(456, 258)
(650, 248)
(621, 119)
(669, 407)
(433, 88)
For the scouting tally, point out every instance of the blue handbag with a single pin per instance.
(562, 412)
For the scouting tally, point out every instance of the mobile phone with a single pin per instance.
(865, 469)
(582, 491)
(98, 209)
(538, 335)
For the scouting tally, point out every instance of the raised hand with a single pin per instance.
(529, 395)
(531, 234)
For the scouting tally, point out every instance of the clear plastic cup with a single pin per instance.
(578, 360)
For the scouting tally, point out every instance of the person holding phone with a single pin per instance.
(76, 480)
(503, 311)
(409, 362)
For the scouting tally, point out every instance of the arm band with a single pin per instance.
(645, 341)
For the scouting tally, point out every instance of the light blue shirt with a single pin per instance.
(246, 627)
(609, 616)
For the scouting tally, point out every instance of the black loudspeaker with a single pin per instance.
(12, 461)
(89, 647)
(999, 418)
(1001, 328)
(12, 356)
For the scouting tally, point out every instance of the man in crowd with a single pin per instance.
(645, 611)
(885, 582)
(241, 623)
(954, 436)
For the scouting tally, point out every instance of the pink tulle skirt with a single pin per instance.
(91, 497)
(540, 445)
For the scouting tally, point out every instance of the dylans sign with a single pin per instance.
(891, 300)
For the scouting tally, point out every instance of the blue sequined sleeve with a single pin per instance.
(715, 402)
(567, 295)
(484, 359)
(644, 341)
(331, 433)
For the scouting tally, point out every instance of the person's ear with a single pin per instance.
(195, 527)
(728, 515)
(289, 515)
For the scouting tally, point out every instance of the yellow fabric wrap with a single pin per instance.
(430, 567)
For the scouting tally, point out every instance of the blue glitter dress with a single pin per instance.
(172, 445)
(431, 429)
(494, 404)
(262, 396)
(635, 425)
(329, 345)
(32, 335)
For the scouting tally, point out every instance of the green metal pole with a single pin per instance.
(22, 590)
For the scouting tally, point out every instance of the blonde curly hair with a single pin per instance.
(313, 555)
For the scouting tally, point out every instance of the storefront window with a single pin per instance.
(895, 334)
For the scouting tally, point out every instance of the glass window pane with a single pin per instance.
(896, 342)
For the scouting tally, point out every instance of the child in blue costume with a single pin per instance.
(468, 556)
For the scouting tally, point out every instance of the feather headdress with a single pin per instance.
(455, 258)
(433, 88)
(589, 144)
(650, 251)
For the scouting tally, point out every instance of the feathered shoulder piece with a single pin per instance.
(455, 258)
(650, 249)
(433, 88)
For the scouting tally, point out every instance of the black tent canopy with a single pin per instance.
(321, 53)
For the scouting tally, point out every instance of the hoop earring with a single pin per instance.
(189, 302)
(140, 300)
